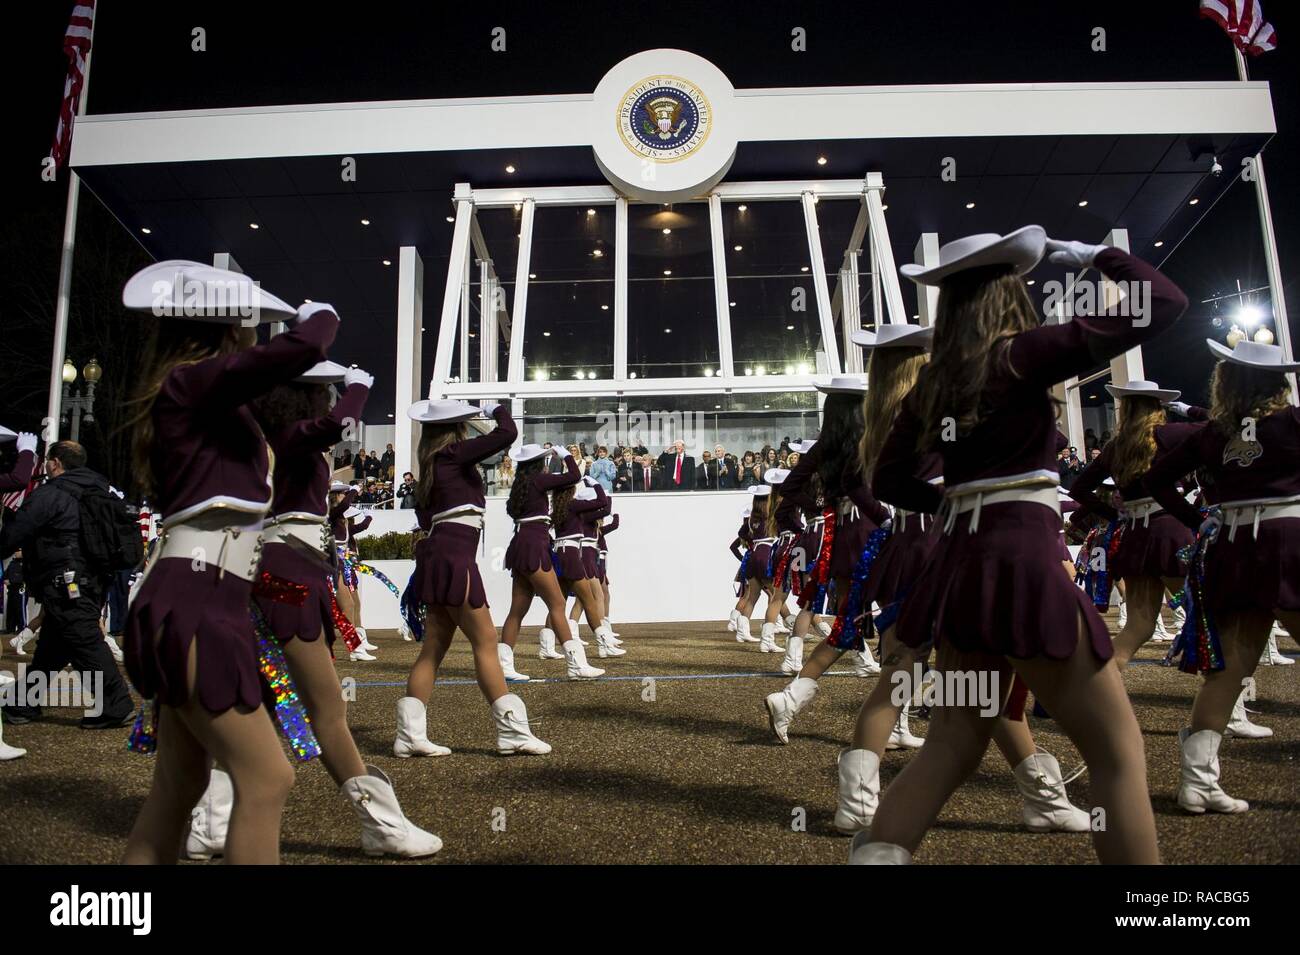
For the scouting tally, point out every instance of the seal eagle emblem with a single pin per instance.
(664, 118)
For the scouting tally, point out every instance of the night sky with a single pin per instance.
(266, 53)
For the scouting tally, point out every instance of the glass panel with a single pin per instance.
(672, 328)
(500, 228)
(774, 324)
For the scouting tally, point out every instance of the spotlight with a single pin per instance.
(1248, 315)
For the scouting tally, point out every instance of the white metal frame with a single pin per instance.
(870, 233)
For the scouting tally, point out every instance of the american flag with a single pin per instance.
(76, 44)
(1243, 20)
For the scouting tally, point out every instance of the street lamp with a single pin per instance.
(75, 404)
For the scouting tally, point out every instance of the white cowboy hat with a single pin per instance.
(1254, 354)
(900, 335)
(1022, 250)
(1143, 389)
(528, 452)
(323, 373)
(585, 492)
(179, 288)
(746, 512)
(804, 446)
(776, 475)
(844, 386)
(352, 512)
(588, 480)
(6, 434)
(444, 411)
(760, 490)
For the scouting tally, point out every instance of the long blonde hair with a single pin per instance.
(174, 343)
(978, 310)
(891, 374)
(1134, 441)
(1240, 391)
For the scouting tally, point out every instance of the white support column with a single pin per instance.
(620, 289)
(487, 322)
(515, 371)
(451, 296)
(856, 238)
(883, 251)
(1274, 269)
(721, 293)
(818, 269)
(465, 311)
(410, 349)
(877, 292)
(927, 296)
(517, 412)
(1128, 366)
(851, 313)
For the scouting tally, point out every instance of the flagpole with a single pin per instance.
(63, 303)
(1271, 263)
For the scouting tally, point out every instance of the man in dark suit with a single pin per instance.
(645, 476)
(728, 469)
(677, 468)
(706, 475)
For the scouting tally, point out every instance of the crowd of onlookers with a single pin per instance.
(1069, 464)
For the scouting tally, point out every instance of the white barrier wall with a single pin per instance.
(668, 561)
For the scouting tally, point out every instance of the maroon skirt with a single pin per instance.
(1151, 549)
(1002, 590)
(756, 569)
(900, 561)
(177, 606)
(1255, 571)
(591, 562)
(529, 549)
(287, 620)
(446, 567)
(570, 563)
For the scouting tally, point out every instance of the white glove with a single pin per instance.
(488, 407)
(589, 480)
(355, 376)
(308, 309)
(1179, 407)
(26, 442)
(561, 451)
(1077, 254)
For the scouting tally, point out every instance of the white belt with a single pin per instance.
(573, 540)
(1140, 509)
(536, 519)
(590, 542)
(311, 530)
(471, 515)
(234, 549)
(1036, 487)
(1263, 509)
(764, 540)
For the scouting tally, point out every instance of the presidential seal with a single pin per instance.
(664, 118)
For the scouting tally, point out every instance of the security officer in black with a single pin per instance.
(47, 529)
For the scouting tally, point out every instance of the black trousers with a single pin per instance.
(70, 634)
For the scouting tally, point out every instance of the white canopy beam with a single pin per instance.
(451, 298)
(822, 294)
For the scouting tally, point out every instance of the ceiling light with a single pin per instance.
(732, 304)
(390, 414)
(821, 160)
(540, 373)
(717, 406)
(883, 208)
(532, 275)
(668, 231)
(1082, 203)
(970, 205)
(307, 301)
(546, 334)
(668, 331)
(760, 370)
(789, 328)
(668, 271)
(591, 212)
(510, 169)
(365, 222)
(388, 261)
(767, 406)
(604, 308)
(597, 253)
(742, 207)
(737, 247)
(451, 218)
(789, 369)
(579, 374)
(632, 375)
(147, 231)
(1031, 281)
(518, 206)
(1159, 243)
(804, 269)
(254, 225)
(591, 375)
(803, 368)
(708, 372)
(1193, 202)
(749, 371)
(1248, 315)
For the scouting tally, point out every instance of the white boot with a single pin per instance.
(1199, 789)
(210, 818)
(862, 851)
(1272, 656)
(579, 668)
(359, 655)
(731, 620)
(506, 655)
(1180, 618)
(1239, 724)
(768, 642)
(782, 707)
(824, 627)
(405, 631)
(793, 661)
(742, 631)
(605, 647)
(613, 636)
(413, 732)
(546, 645)
(365, 640)
(8, 752)
(1123, 612)
(385, 830)
(780, 625)
(790, 619)
(25, 636)
(859, 790)
(900, 737)
(513, 734)
(114, 649)
(1160, 634)
(1046, 806)
(864, 664)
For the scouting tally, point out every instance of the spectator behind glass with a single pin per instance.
(603, 469)
(505, 474)
(359, 465)
(406, 493)
(623, 472)
(387, 463)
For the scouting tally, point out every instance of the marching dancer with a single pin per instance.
(1245, 568)
(1145, 557)
(595, 525)
(529, 559)
(16, 480)
(190, 642)
(578, 548)
(898, 352)
(783, 532)
(347, 589)
(294, 605)
(761, 535)
(742, 547)
(450, 505)
(993, 596)
(851, 515)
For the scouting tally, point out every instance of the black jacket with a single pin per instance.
(47, 527)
